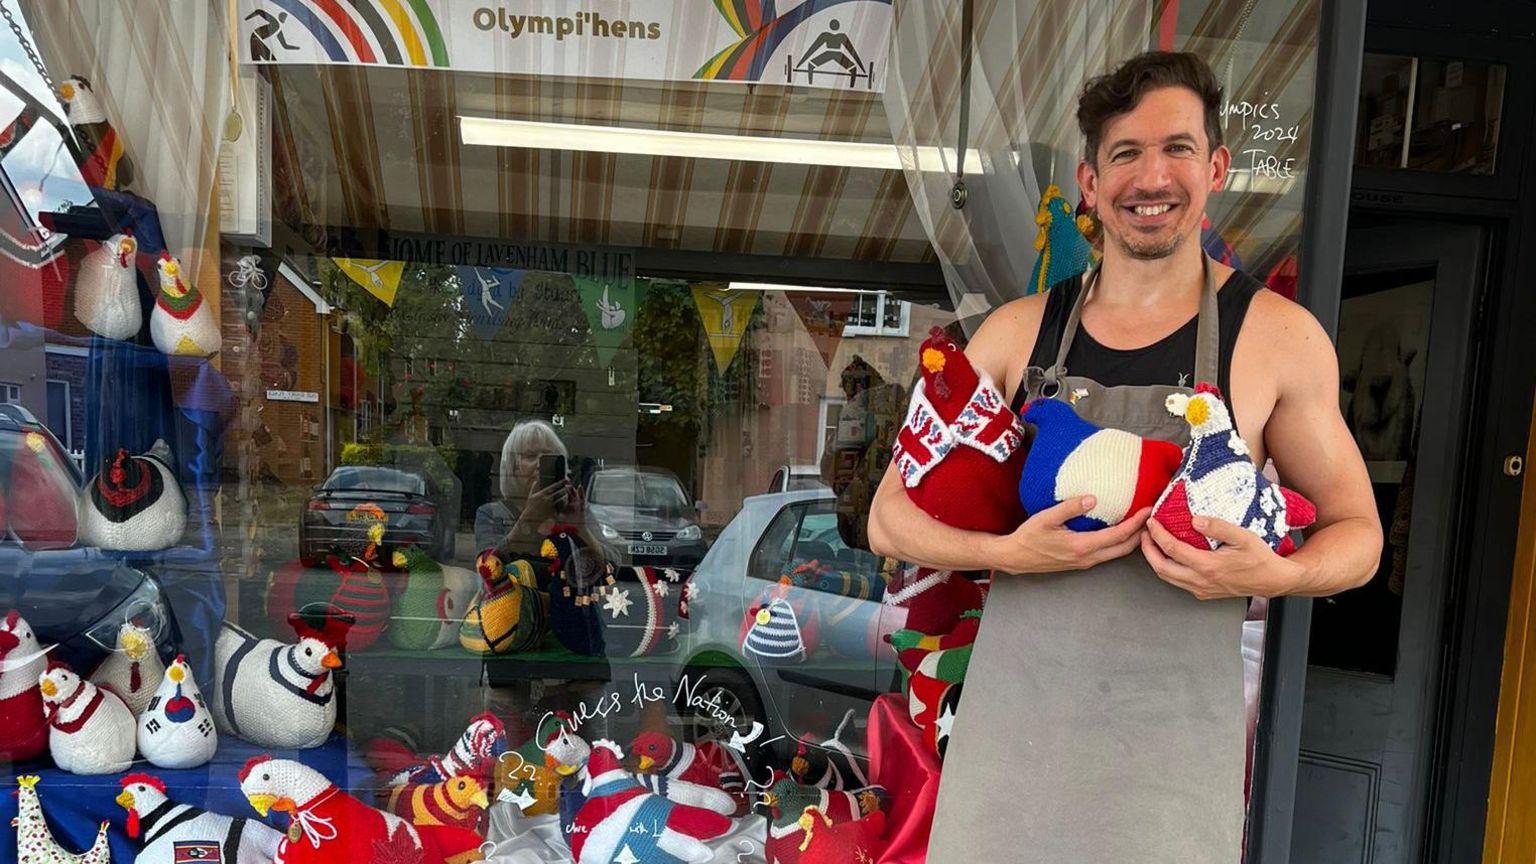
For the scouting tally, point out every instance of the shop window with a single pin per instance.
(878, 314)
(1429, 114)
(10, 394)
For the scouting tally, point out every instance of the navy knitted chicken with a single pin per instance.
(1218, 480)
(1071, 457)
(580, 578)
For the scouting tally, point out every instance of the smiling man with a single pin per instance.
(1103, 715)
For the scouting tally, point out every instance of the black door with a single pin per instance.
(1405, 329)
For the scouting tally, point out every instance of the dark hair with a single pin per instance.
(1106, 97)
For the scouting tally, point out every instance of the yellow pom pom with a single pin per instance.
(933, 360)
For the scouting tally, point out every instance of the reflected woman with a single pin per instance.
(517, 523)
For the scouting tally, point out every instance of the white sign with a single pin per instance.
(292, 396)
(815, 43)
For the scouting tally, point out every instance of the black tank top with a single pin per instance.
(1170, 360)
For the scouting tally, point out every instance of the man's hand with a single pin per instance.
(1044, 544)
(1244, 566)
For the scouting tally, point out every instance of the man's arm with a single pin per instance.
(1315, 454)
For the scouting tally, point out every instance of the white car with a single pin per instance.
(850, 665)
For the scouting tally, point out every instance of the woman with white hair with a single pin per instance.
(517, 522)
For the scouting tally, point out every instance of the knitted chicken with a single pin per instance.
(1218, 480)
(132, 671)
(275, 694)
(935, 667)
(1071, 458)
(604, 829)
(171, 833)
(182, 323)
(39, 476)
(176, 729)
(430, 608)
(1063, 250)
(92, 731)
(35, 843)
(134, 503)
(106, 164)
(359, 591)
(829, 764)
(23, 729)
(932, 600)
(780, 627)
(961, 451)
(809, 825)
(708, 763)
(581, 579)
(510, 614)
(458, 801)
(328, 825)
(473, 755)
(107, 289)
(526, 777)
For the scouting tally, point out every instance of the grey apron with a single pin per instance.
(1102, 720)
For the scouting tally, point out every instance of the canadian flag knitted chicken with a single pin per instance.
(275, 694)
(961, 450)
(92, 730)
(181, 322)
(330, 826)
(1071, 457)
(172, 833)
(1218, 480)
(23, 728)
(176, 729)
(107, 289)
(616, 803)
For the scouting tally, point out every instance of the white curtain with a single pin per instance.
(161, 70)
(1029, 60)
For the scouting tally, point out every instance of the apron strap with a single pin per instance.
(1207, 339)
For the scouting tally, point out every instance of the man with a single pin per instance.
(1106, 724)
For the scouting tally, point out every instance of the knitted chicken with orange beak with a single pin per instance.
(181, 322)
(106, 164)
(961, 450)
(275, 694)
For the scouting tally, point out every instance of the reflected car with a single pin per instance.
(770, 537)
(644, 517)
(356, 497)
(792, 478)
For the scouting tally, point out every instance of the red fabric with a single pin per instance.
(23, 731)
(1159, 462)
(909, 771)
(936, 610)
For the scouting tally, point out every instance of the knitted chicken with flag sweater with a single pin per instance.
(1071, 457)
(622, 820)
(181, 322)
(1218, 480)
(961, 450)
(170, 832)
(176, 728)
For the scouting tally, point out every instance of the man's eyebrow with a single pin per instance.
(1183, 137)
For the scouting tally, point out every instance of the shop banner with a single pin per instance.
(813, 43)
(488, 293)
(824, 317)
(725, 315)
(379, 278)
(611, 305)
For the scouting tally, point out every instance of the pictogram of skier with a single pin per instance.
(486, 286)
(832, 47)
(260, 53)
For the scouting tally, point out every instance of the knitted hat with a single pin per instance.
(780, 627)
(321, 621)
(134, 503)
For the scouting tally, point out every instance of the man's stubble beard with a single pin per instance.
(1150, 251)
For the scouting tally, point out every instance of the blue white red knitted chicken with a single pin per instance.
(1072, 457)
(1218, 480)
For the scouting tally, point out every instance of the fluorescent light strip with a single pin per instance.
(795, 289)
(539, 135)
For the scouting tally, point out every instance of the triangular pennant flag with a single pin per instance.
(611, 306)
(824, 317)
(725, 314)
(488, 293)
(379, 278)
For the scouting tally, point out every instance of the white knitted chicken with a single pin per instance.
(91, 729)
(181, 322)
(172, 833)
(176, 729)
(107, 289)
(132, 671)
(278, 694)
(134, 503)
(35, 843)
(23, 729)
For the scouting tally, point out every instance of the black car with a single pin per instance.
(644, 516)
(356, 497)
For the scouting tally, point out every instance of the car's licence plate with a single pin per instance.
(647, 549)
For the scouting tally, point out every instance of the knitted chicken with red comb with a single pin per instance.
(961, 450)
(1218, 480)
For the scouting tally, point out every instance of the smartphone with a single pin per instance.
(552, 470)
